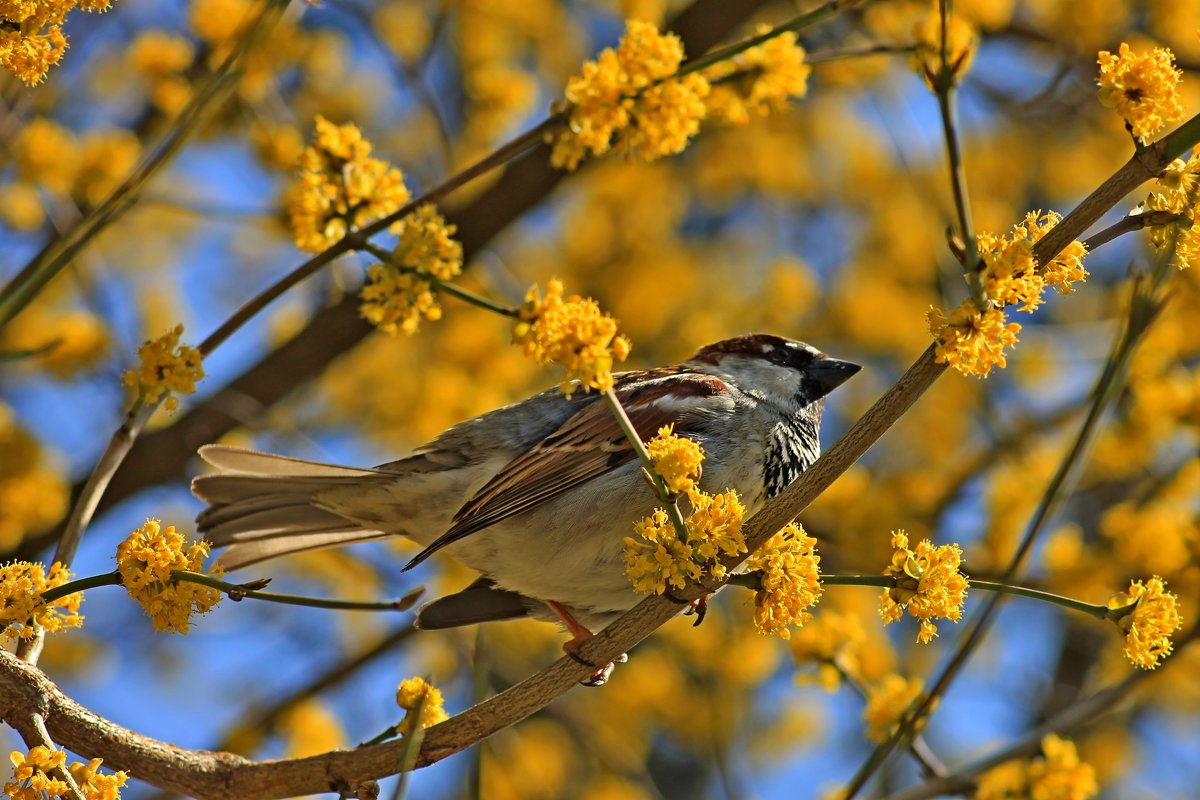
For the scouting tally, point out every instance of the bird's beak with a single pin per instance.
(830, 373)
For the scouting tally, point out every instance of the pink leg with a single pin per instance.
(579, 635)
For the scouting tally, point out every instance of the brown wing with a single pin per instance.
(587, 445)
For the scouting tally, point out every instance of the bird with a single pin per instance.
(538, 496)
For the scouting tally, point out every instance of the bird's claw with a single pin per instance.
(699, 607)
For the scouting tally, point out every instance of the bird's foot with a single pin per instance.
(699, 607)
(579, 635)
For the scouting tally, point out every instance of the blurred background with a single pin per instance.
(824, 223)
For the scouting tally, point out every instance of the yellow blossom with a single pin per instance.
(166, 368)
(759, 80)
(94, 785)
(573, 333)
(622, 101)
(397, 294)
(340, 187)
(970, 340)
(21, 585)
(31, 778)
(1057, 774)
(146, 560)
(790, 581)
(1011, 274)
(31, 37)
(677, 459)
(961, 40)
(1144, 89)
(656, 558)
(1179, 181)
(1148, 615)
(887, 702)
(929, 584)
(417, 697)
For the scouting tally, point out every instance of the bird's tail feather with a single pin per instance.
(263, 506)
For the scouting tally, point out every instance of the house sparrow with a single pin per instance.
(539, 495)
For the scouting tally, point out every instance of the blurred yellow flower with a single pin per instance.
(340, 187)
(677, 459)
(1144, 89)
(398, 293)
(656, 558)
(423, 703)
(830, 640)
(622, 101)
(1057, 774)
(146, 560)
(929, 584)
(791, 581)
(961, 40)
(887, 701)
(573, 333)
(166, 368)
(21, 586)
(1148, 614)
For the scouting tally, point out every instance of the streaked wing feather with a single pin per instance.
(589, 444)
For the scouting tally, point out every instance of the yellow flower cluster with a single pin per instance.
(146, 560)
(656, 558)
(1179, 196)
(31, 779)
(757, 81)
(572, 332)
(627, 101)
(961, 42)
(1148, 614)
(886, 703)
(167, 368)
(31, 774)
(21, 586)
(973, 340)
(423, 704)
(95, 786)
(928, 584)
(1144, 89)
(398, 293)
(340, 187)
(677, 459)
(1011, 274)
(1057, 774)
(791, 581)
(31, 37)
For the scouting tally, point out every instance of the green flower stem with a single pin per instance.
(1099, 612)
(237, 591)
(91, 582)
(446, 286)
(635, 440)
(753, 580)
(813, 17)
